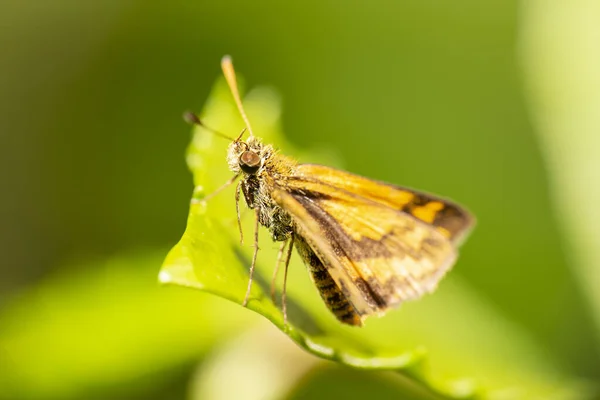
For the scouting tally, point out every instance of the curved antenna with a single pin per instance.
(229, 72)
(193, 119)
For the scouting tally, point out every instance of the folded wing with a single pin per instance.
(379, 247)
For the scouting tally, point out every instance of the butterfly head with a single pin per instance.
(243, 156)
(247, 157)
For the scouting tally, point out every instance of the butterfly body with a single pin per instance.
(257, 183)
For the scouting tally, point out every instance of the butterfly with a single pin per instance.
(368, 245)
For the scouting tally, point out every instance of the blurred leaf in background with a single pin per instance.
(562, 64)
(92, 145)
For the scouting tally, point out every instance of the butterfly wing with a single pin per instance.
(377, 251)
(452, 220)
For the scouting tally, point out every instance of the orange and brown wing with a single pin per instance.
(378, 254)
(452, 220)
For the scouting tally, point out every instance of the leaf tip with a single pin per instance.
(463, 388)
(164, 277)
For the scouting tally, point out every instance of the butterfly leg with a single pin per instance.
(221, 188)
(277, 264)
(285, 271)
(256, 226)
(238, 190)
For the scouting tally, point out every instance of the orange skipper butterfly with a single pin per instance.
(368, 245)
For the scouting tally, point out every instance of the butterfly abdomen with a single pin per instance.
(332, 295)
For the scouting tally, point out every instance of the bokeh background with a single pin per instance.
(494, 104)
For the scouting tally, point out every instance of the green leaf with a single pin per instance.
(562, 65)
(451, 342)
(105, 329)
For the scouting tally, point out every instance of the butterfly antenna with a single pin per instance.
(193, 119)
(229, 72)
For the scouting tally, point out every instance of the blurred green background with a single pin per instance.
(494, 104)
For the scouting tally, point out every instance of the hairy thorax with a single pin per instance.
(258, 185)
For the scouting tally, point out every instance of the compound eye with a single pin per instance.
(249, 162)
